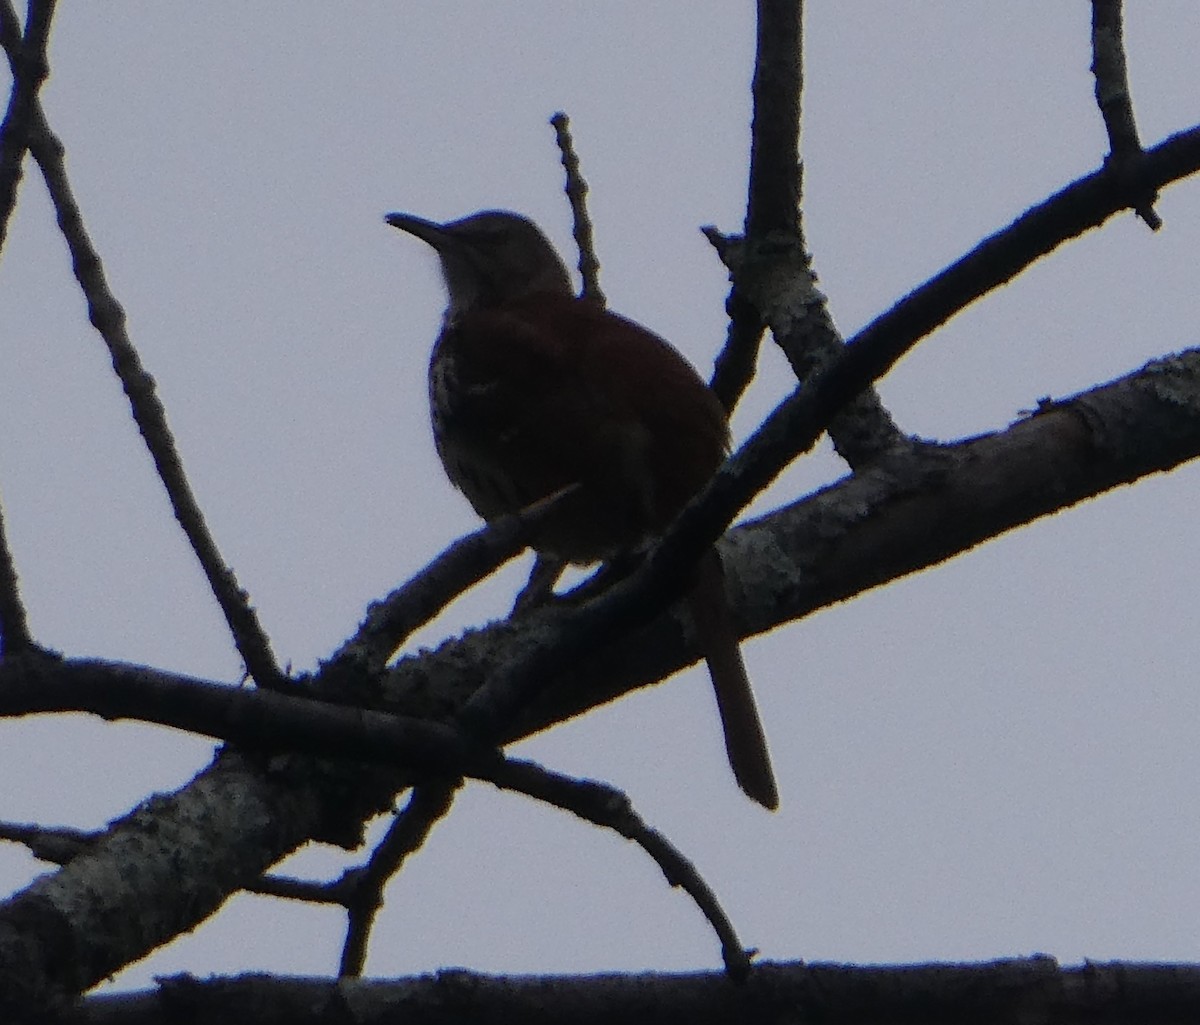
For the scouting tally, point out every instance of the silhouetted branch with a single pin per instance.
(1011, 992)
(576, 190)
(603, 805)
(362, 888)
(108, 317)
(14, 625)
(27, 60)
(253, 719)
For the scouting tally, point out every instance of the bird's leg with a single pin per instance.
(540, 587)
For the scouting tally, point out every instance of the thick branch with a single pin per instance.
(997, 993)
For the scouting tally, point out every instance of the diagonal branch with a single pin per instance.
(390, 621)
(27, 59)
(362, 888)
(108, 317)
(15, 637)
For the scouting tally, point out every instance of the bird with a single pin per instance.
(535, 391)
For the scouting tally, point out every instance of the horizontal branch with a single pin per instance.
(255, 719)
(1016, 991)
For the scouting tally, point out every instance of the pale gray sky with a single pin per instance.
(992, 758)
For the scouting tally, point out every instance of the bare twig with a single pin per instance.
(603, 805)
(576, 190)
(773, 193)
(773, 202)
(54, 844)
(108, 317)
(362, 889)
(1113, 96)
(27, 60)
(289, 888)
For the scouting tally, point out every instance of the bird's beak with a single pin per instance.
(427, 231)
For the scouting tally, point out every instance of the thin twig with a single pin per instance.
(576, 190)
(1113, 96)
(27, 60)
(360, 890)
(108, 317)
(289, 888)
(54, 844)
(363, 888)
(603, 805)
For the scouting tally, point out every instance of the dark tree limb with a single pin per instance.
(1012, 992)
(108, 318)
(26, 54)
(391, 620)
(362, 888)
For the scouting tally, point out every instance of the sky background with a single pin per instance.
(991, 758)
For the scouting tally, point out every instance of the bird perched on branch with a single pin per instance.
(533, 390)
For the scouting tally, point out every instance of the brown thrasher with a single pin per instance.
(533, 390)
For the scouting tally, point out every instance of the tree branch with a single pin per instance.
(999, 993)
(108, 317)
(577, 190)
(362, 888)
(27, 60)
